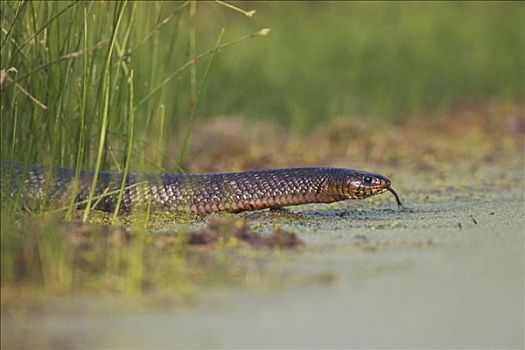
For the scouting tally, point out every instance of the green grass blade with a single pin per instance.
(129, 148)
(196, 100)
(105, 115)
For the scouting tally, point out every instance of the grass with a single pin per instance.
(386, 61)
(82, 61)
(380, 60)
(67, 103)
(46, 258)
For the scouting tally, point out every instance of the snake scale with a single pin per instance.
(199, 194)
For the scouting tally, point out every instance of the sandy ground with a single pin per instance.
(448, 272)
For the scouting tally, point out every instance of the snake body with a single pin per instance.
(195, 193)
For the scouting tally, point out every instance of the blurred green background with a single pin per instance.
(379, 61)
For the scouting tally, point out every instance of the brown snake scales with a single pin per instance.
(195, 193)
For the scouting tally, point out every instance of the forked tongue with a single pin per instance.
(398, 201)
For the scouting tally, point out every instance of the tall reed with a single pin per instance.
(103, 85)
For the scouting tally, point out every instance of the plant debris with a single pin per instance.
(225, 229)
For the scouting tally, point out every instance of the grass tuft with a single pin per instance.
(70, 102)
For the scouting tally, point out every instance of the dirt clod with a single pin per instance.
(226, 229)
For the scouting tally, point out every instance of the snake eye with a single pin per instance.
(367, 180)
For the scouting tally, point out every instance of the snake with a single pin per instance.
(198, 194)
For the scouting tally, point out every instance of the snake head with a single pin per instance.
(365, 184)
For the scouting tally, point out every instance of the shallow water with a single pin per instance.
(448, 272)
